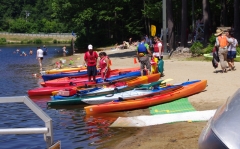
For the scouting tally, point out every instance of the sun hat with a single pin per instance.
(218, 32)
(90, 47)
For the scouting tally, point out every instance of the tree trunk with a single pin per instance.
(223, 18)
(184, 24)
(205, 5)
(145, 19)
(236, 20)
(170, 25)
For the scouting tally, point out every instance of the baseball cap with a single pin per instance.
(90, 47)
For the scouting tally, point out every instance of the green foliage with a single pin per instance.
(212, 40)
(197, 49)
(38, 41)
(55, 41)
(238, 50)
(208, 49)
(3, 40)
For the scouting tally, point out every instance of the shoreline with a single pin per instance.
(182, 135)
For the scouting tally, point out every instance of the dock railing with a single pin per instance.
(47, 130)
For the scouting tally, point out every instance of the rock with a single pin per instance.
(185, 50)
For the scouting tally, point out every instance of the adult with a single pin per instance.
(39, 57)
(64, 50)
(232, 52)
(104, 65)
(45, 50)
(222, 43)
(142, 55)
(158, 48)
(90, 58)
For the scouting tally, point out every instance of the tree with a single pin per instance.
(184, 24)
(205, 5)
(236, 20)
(170, 25)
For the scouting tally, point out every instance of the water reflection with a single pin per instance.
(70, 124)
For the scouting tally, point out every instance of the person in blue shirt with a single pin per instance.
(44, 50)
(142, 54)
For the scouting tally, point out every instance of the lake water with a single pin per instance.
(71, 126)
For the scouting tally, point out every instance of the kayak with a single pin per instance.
(41, 91)
(147, 101)
(83, 74)
(128, 95)
(76, 99)
(47, 77)
(133, 94)
(53, 71)
(83, 81)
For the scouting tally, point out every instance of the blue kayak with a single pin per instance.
(47, 77)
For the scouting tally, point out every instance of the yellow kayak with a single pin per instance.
(53, 71)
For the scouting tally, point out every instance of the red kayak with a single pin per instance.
(68, 81)
(41, 91)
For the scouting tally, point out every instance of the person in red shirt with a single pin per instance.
(90, 58)
(104, 65)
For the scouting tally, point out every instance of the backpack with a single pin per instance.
(142, 48)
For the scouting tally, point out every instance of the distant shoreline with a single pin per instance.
(24, 39)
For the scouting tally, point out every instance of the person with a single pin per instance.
(104, 65)
(130, 41)
(147, 39)
(90, 59)
(64, 50)
(45, 50)
(39, 57)
(142, 55)
(222, 43)
(30, 52)
(233, 43)
(158, 53)
(24, 54)
(157, 48)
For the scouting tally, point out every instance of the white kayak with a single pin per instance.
(132, 94)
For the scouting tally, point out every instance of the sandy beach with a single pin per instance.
(183, 135)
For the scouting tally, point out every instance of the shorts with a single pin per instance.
(91, 70)
(144, 61)
(41, 58)
(231, 54)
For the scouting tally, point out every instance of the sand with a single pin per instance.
(183, 135)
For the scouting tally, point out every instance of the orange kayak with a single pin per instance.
(148, 101)
(144, 79)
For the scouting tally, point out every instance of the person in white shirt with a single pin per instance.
(40, 57)
(232, 50)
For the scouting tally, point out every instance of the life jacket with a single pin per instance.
(102, 63)
(142, 48)
(156, 49)
(222, 41)
(91, 58)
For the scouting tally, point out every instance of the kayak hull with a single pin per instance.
(146, 102)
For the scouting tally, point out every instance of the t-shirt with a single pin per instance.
(91, 58)
(39, 53)
(233, 43)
